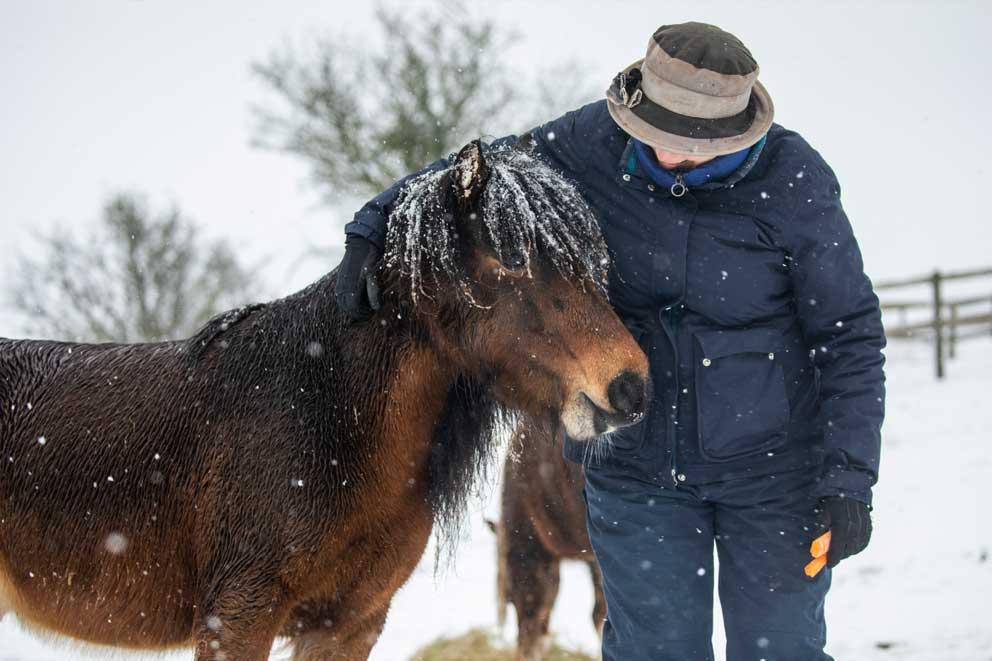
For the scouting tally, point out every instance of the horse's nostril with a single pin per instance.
(627, 394)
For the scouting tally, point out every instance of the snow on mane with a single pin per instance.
(528, 212)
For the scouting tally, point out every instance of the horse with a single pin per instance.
(542, 522)
(279, 473)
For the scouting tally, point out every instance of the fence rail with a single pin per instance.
(951, 319)
(927, 279)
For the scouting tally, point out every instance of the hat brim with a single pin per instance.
(648, 133)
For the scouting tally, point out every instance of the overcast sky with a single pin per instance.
(154, 96)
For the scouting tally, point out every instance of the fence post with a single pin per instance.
(938, 324)
(952, 335)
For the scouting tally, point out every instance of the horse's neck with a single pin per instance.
(388, 391)
(414, 401)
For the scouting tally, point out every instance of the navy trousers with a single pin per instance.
(655, 548)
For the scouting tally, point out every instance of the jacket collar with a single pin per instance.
(629, 164)
(716, 169)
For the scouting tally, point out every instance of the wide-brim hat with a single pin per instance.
(696, 91)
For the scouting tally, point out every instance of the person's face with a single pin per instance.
(671, 160)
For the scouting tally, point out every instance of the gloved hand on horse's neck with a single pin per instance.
(849, 523)
(357, 291)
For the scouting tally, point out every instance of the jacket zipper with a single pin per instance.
(672, 329)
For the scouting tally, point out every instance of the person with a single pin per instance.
(736, 269)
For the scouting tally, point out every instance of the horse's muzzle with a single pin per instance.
(628, 395)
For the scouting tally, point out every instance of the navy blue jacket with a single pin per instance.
(748, 296)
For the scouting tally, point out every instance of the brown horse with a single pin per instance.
(542, 522)
(280, 472)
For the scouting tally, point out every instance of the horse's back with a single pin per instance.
(23, 365)
(73, 414)
(41, 379)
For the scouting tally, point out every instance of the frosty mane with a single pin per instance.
(527, 210)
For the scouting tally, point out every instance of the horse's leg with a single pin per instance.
(599, 608)
(240, 624)
(327, 644)
(532, 588)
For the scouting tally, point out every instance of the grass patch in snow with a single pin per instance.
(481, 645)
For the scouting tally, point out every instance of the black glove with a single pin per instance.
(357, 291)
(849, 523)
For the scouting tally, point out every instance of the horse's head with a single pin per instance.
(501, 260)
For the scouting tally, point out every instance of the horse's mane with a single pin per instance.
(528, 210)
(463, 452)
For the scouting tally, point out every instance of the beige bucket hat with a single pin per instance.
(696, 91)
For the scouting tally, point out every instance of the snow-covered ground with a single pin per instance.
(919, 593)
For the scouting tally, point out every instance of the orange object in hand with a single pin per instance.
(820, 545)
(814, 567)
(818, 549)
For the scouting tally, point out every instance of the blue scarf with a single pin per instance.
(715, 170)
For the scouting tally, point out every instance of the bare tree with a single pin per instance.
(134, 278)
(363, 118)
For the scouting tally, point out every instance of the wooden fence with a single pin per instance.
(942, 318)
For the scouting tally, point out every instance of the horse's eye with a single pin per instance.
(515, 261)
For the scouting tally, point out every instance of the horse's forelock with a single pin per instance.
(526, 208)
(536, 210)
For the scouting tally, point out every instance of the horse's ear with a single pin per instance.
(525, 142)
(469, 175)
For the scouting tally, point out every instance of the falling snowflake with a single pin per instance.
(115, 543)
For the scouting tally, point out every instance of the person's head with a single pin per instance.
(693, 97)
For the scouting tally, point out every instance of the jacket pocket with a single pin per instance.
(741, 402)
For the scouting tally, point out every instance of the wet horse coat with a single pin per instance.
(280, 472)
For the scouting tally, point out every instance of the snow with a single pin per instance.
(527, 206)
(115, 543)
(917, 594)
